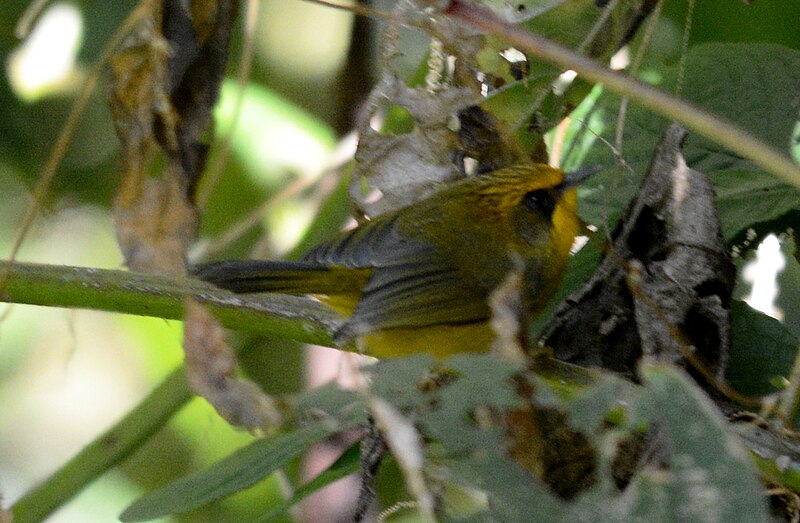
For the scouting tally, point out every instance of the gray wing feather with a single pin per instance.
(411, 284)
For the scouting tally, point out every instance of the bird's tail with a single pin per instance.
(243, 276)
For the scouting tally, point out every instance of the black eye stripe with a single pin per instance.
(542, 201)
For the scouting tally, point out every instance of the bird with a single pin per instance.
(417, 279)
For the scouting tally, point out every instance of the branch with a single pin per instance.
(277, 315)
(106, 451)
(143, 294)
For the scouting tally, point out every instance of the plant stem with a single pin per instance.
(277, 315)
(149, 295)
(106, 451)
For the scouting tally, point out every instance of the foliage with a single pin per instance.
(473, 438)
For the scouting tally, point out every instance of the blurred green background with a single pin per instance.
(65, 376)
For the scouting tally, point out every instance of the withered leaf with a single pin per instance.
(211, 371)
(665, 283)
(164, 82)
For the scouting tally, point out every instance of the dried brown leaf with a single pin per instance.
(405, 443)
(211, 371)
(154, 224)
(664, 288)
(543, 443)
(199, 37)
(164, 82)
(149, 213)
(509, 318)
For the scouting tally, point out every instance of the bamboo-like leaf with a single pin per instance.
(238, 471)
(106, 451)
(348, 463)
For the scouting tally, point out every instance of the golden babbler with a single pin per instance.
(418, 279)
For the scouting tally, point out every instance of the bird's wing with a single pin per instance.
(411, 284)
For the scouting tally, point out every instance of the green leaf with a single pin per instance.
(596, 30)
(787, 477)
(736, 191)
(710, 476)
(593, 405)
(584, 17)
(580, 268)
(397, 379)
(762, 349)
(458, 386)
(528, 107)
(752, 85)
(443, 399)
(513, 494)
(561, 381)
(243, 468)
(345, 407)
(348, 463)
(483, 381)
(771, 451)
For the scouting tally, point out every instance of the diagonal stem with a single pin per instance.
(657, 100)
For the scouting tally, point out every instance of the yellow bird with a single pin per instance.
(418, 279)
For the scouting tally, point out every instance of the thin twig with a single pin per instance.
(687, 32)
(68, 131)
(29, 15)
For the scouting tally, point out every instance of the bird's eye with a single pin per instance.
(542, 201)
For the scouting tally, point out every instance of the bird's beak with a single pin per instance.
(573, 178)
